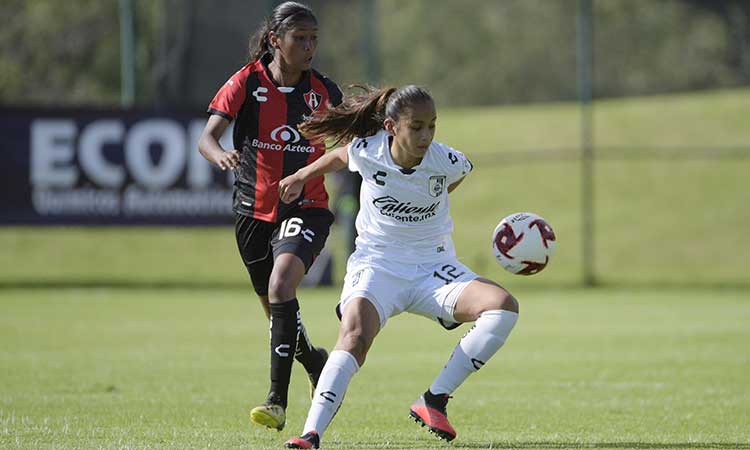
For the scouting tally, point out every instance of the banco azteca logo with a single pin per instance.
(283, 139)
(285, 134)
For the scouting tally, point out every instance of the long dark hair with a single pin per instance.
(283, 18)
(362, 115)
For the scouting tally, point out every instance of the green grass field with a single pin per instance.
(144, 368)
(141, 338)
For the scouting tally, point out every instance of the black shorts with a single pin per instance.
(303, 232)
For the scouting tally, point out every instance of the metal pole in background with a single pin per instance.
(585, 25)
(370, 41)
(127, 53)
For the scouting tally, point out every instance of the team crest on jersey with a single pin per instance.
(313, 99)
(437, 184)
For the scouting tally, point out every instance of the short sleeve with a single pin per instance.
(353, 154)
(336, 96)
(230, 97)
(458, 165)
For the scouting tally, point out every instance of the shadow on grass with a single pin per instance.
(546, 445)
(615, 445)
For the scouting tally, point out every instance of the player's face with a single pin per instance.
(415, 129)
(298, 45)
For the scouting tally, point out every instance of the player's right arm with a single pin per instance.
(224, 108)
(291, 187)
(209, 146)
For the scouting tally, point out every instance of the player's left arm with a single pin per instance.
(457, 167)
(291, 186)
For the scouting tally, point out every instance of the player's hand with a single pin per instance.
(228, 160)
(290, 188)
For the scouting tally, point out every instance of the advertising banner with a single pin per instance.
(98, 167)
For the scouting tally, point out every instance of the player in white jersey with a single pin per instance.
(404, 211)
(404, 258)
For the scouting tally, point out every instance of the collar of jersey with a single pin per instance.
(265, 60)
(387, 148)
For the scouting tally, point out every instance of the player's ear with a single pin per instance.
(389, 125)
(273, 39)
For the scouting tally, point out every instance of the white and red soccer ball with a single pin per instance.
(523, 243)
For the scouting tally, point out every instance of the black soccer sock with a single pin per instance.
(284, 317)
(306, 353)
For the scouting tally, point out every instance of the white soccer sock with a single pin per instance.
(477, 346)
(338, 371)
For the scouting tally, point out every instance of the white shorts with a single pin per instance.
(430, 290)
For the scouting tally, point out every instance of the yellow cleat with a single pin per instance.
(270, 416)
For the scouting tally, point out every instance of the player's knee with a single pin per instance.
(286, 275)
(499, 300)
(281, 288)
(507, 302)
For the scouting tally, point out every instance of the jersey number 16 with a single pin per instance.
(292, 227)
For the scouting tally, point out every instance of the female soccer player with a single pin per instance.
(404, 258)
(267, 99)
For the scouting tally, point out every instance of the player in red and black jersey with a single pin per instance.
(267, 99)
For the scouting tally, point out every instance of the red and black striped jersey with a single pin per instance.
(265, 132)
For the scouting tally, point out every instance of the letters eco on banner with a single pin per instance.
(91, 167)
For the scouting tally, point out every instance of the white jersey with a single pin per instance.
(404, 214)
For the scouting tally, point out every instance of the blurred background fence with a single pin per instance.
(662, 197)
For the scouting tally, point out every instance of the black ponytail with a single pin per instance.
(283, 18)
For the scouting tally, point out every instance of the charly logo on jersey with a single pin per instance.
(258, 94)
(437, 184)
(285, 138)
(313, 99)
(390, 206)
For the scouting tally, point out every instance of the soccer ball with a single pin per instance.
(522, 243)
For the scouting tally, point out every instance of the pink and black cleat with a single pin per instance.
(307, 440)
(429, 409)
